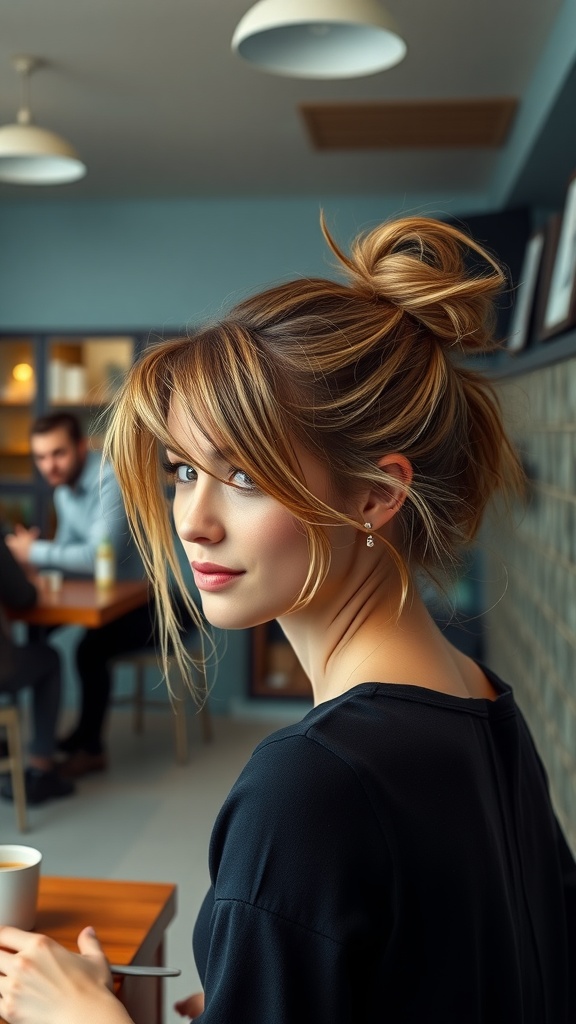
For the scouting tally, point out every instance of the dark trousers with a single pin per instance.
(129, 633)
(38, 666)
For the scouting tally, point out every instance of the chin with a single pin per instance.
(228, 618)
(229, 621)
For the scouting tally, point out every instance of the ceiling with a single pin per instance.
(157, 105)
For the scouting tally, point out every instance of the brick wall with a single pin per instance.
(530, 574)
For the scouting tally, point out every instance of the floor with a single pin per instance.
(147, 818)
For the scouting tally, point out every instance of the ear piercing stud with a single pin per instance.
(369, 538)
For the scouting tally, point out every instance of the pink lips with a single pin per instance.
(209, 576)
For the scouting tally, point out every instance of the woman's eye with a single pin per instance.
(241, 479)
(179, 472)
(184, 474)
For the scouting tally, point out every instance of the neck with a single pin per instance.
(344, 638)
(357, 630)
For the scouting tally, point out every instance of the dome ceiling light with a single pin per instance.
(319, 38)
(30, 155)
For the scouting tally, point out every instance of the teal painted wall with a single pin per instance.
(162, 264)
(553, 68)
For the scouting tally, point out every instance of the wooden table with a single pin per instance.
(82, 603)
(130, 919)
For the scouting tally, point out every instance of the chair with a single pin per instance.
(139, 662)
(14, 761)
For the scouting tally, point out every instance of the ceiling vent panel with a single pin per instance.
(409, 124)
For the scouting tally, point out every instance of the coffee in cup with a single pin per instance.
(19, 879)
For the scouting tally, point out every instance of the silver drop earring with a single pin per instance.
(369, 538)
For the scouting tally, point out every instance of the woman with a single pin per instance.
(394, 857)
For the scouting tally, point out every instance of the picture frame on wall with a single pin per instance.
(560, 303)
(525, 297)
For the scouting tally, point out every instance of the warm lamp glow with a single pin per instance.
(23, 372)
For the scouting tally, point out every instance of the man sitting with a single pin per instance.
(88, 508)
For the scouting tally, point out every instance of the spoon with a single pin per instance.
(148, 972)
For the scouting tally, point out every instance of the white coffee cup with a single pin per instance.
(19, 878)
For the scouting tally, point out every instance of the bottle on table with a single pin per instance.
(105, 564)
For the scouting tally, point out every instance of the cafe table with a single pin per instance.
(130, 919)
(83, 603)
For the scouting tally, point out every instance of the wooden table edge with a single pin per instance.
(142, 997)
(92, 618)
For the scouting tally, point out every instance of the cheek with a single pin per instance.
(281, 533)
(177, 512)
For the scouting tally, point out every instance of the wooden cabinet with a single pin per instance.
(276, 671)
(43, 373)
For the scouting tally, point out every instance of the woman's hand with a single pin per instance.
(191, 1007)
(43, 983)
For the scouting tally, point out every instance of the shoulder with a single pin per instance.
(296, 785)
(289, 771)
(297, 836)
(361, 762)
(295, 766)
(98, 478)
(303, 760)
(96, 468)
(336, 745)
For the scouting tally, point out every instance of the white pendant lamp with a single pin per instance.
(34, 156)
(319, 38)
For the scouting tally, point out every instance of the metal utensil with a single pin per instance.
(145, 972)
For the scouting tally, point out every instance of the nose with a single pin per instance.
(198, 512)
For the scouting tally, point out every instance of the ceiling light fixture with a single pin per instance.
(30, 155)
(319, 38)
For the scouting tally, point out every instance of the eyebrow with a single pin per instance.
(53, 451)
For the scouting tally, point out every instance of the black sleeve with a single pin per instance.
(568, 867)
(301, 879)
(16, 591)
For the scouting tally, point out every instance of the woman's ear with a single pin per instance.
(383, 502)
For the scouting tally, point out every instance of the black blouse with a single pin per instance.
(392, 858)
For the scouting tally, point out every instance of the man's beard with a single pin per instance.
(75, 472)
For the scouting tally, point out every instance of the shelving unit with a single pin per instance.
(44, 373)
(556, 350)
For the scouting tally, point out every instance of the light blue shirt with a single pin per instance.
(87, 512)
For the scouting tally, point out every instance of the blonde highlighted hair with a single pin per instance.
(352, 371)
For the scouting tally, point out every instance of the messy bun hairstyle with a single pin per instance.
(352, 371)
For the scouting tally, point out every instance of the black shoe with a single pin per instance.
(69, 744)
(82, 762)
(40, 786)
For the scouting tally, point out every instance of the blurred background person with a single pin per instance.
(89, 510)
(34, 665)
